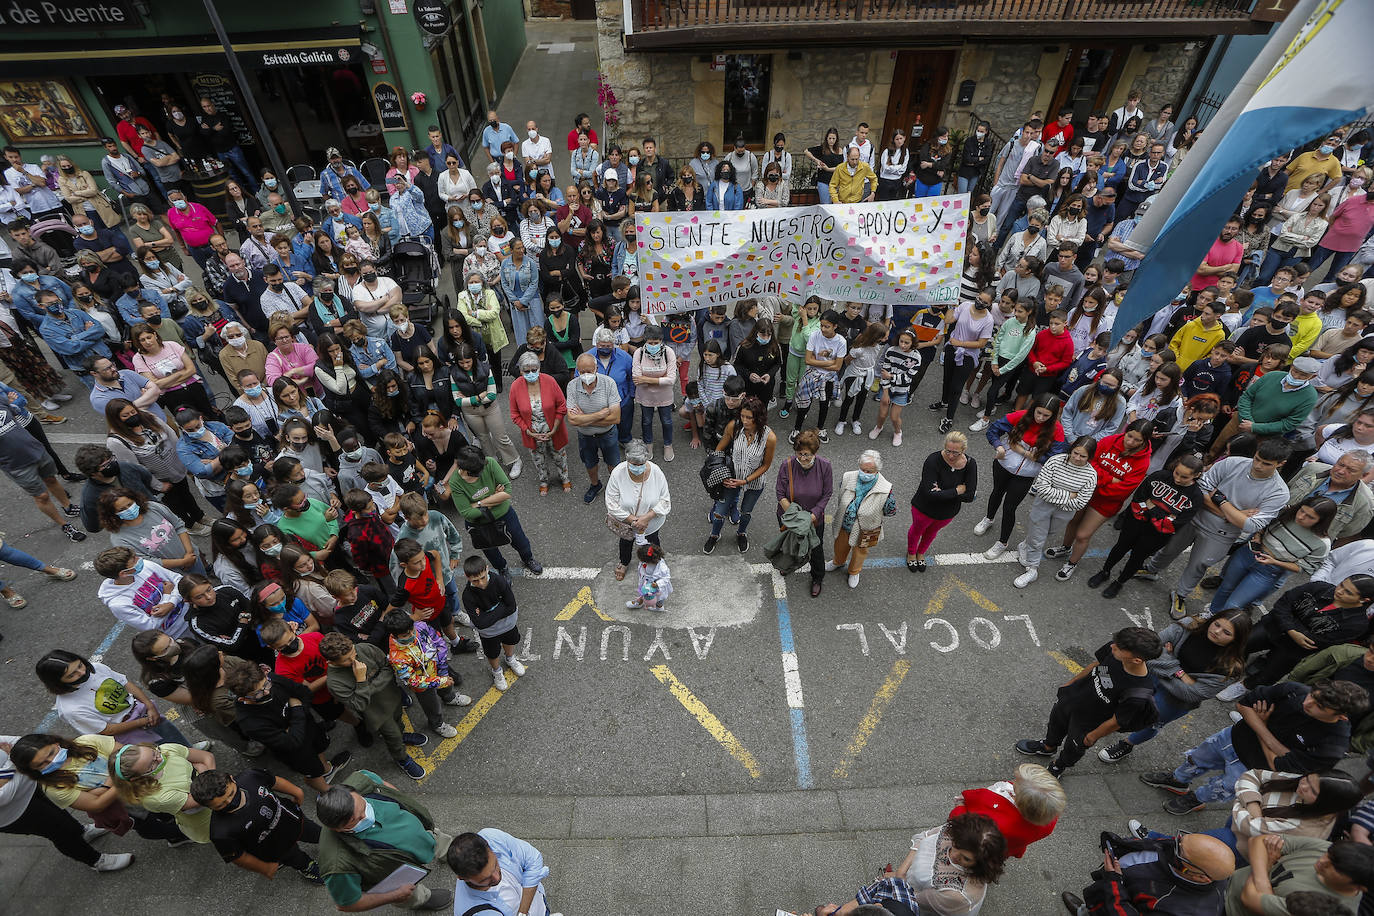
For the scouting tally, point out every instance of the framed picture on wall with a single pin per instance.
(43, 112)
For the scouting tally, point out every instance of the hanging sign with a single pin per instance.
(433, 16)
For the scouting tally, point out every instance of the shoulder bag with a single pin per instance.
(621, 528)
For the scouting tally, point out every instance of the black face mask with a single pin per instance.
(108, 469)
(1278, 323)
(368, 278)
(85, 676)
(276, 287)
(155, 320)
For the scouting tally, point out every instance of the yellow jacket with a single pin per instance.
(1193, 342)
(1304, 331)
(849, 189)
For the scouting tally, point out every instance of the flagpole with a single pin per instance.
(1163, 203)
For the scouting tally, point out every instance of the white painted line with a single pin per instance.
(792, 678)
(76, 438)
(560, 572)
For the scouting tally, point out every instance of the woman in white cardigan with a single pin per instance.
(865, 499)
(637, 500)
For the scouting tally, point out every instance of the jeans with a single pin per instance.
(625, 431)
(522, 320)
(1215, 755)
(235, 160)
(518, 541)
(599, 447)
(646, 423)
(964, 185)
(1245, 580)
(170, 733)
(17, 557)
(822, 192)
(1320, 254)
(1169, 710)
(921, 189)
(1273, 260)
(738, 506)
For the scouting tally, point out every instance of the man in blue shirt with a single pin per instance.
(134, 296)
(1101, 217)
(494, 134)
(108, 381)
(331, 179)
(73, 335)
(111, 246)
(438, 151)
(619, 365)
(497, 872)
(31, 283)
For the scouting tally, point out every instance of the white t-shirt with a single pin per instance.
(152, 585)
(538, 149)
(827, 348)
(1332, 449)
(102, 699)
(378, 324)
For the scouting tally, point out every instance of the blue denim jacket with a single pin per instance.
(367, 353)
(197, 454)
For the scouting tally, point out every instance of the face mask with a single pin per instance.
(354, 455)
(181, 205)
(297, 446)
(280, 606)
(270, 182)
(85, 299)
(530, 377)
(253, 506)
(474, 289)
(87, 230)
(374, 207)
(1106, 389)
(634, 160)
(402, 326)
(129, 514)
(604, 351)
(245, 471)
(292, 647)
(29, 276)
(476, 206)
(806, 462)
(390, 394)
(555, 242)
(980, 134)
(56, 763)
(457, 224)
(272, 552)
(369, 277)
(54, 310)
(280, 208)
(154, 264)
(108, 469)
(237, 342)
(865, 477)
(1033, 230)
(1292, 384)
(636, 469)
(533, 173)
(1357, 182)
(1280, 325)
(1325, 150)
(510, 156)
(763, 340)
(367, 820)
(653, 349)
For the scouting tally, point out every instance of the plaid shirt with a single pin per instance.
(370, 541)
(886, 890)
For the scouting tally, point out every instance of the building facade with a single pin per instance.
(325, 73)
(686, 71)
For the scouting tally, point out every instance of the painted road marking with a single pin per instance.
(714, 727)
(791, 675)
(869, 724)
(1073, 667)
(476, 712)
(583, 599)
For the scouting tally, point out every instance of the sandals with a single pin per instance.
(17, 601)
(63, 574)
(620, 572)
(543, 489)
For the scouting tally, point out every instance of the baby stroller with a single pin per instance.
(415, 268)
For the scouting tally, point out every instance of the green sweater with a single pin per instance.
(1273, 411)
(374, 700)
(349, 866)
(465, 494)
(1011, 343)
(311, 524)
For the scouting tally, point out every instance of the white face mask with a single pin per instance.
(588, 378)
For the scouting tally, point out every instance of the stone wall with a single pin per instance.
(1165, 77)
(550, 9)
(1007, 80)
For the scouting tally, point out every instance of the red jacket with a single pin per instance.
(1118, 474)
(555, 408)
(1055, 351)
(1018, 831)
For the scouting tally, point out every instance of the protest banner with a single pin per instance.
(898, 252)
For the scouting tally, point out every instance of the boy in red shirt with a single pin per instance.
(420, 584)
(299, 660)
(1049, 356)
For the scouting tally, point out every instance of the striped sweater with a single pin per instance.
(1065, 485)
(1291, 542)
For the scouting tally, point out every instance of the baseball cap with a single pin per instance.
(1307, 364)
(120, 110)
(333, 153)
(611, 175)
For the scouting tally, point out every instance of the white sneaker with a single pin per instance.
(839, 428)
(444, 730)
(203, 745)
(981, 424)
(995, 551)
(1026, 578)
(93, 832)
(462, 619)
(982, 526)
(498, 679)
(62, 398)
(113, 861)
(1235, 716)
(855, 428)
(50, 404)
(831, 566)
(459, 699)
(515, 469)
(975, 401)
(854, 580)
(1232, 693)
(667, 453)
(1022, 555)
(514, 664)
(199, 529)
(875, 432)
(896, 439)
(963, 396)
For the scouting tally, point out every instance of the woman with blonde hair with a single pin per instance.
(147, 231)
(1025, 809)
(157, 778)
(78, 188)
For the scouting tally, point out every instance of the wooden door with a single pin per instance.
(584, 9)
(1086, 80)
(920, 85)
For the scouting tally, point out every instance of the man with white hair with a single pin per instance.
(1341, 482)
(619, 365)
(594, 410)
(241, 351)
(336, 222)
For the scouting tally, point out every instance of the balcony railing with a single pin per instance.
(753, 22)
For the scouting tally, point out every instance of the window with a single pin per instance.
(747, 82)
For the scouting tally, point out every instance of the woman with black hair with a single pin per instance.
(389, 411)
(268, 541)
(228, 538)
(346, 392)
(1349, 364)
(159, 657)
(1296, 541)
(1160, 507)
(140, 437)
(759, 360)
(457, 331)
(94, 699)
(1307, 618)
(1286, 804)
(474, 389)
(221, 617)
(979, 271)
(1024, 440)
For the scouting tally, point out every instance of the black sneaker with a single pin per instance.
(1057, 553)
(591, 493)
(1116, 753)
(1056, 770)
(825, 436)
(465, 646)
(71, 510)
(1186, 803)
(1112, 590)
(1211, 583)
(1164, 779)
(939, 405)
(414, 739)
(311, 873)
(1098, 578)
(73, 534)
(1034, 747)
(535, 567)
(742, 542)
(411, 768)
(710, 545)
(946, 425)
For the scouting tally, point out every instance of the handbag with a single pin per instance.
(869, 538)
(490, 532)
(621, 528)
(715, 472)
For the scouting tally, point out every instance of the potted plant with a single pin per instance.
(803, 187)
(418, 100)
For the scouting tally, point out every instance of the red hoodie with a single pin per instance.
(994, 803)
(1118, 474)
(1054, 350)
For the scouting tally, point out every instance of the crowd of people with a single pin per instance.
(309, 492)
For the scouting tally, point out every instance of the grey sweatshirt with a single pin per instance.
(1232, 477)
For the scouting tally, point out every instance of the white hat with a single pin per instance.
(611, 174)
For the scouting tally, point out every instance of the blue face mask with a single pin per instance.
(253, 392)
(1326, 150)
(604, 351)
(477, 206)
(1106, 389)
(368, 819)
(763, 340)
(634, 160)
(530, 377)
(129, 514)
(154, 264)
(54, 310)
(138, 568)
(394, 394)
(56, 763)
(270, 182)
(474, 289)
(705, 157)
(457, 224)
(29, 276)
(273, 551)
(374, 207)
(865, 477)
(245, 471)
(555, 242)
(637, 469)
(653, 349)
(253, 505)
(278, 608)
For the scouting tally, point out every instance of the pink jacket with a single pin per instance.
(302, 356)
(1350, 223)
(195, 224)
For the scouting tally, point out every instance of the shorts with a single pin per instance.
(898, 400)
(599, 447)
(491, 645)
(442, 618)
(1106, 507)
(30, 479)
(1033, 384)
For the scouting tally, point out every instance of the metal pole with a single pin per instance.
(1163, 203)
(268, 144)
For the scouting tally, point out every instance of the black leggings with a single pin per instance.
(823, 398)
(296, 857)
(43, 818)
(955, 376)
(1138, 539)
(182, 501)
(627, 547)
(856, 401)
(1066, 730)
(1013, 488)
(35, 429)
(1001, 387)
